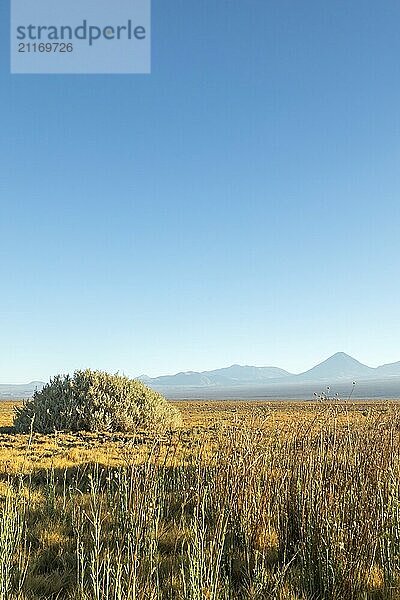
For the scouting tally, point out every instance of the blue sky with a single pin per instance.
(238, 205)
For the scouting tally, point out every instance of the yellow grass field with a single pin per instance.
(247, 500)
(204, 423)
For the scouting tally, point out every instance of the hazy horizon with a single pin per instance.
(222, 366)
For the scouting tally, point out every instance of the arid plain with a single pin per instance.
(247, 500)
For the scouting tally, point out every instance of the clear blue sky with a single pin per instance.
(240, 204)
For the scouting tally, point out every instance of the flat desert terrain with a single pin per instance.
(246, 500)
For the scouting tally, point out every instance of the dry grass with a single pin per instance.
(204, 424)
(248, 500)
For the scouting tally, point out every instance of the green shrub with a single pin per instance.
(95, 401)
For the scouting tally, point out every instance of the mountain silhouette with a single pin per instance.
(389, 370)
(338, 366)
(233, 375)
(24, 390)
(244, 381)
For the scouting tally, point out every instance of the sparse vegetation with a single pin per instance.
(244, 502)
(95, 401)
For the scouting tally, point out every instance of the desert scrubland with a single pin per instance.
(246, 500)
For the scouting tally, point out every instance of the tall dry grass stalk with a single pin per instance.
(13, 548)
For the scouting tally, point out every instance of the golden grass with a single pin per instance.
(204, 423)
(246, 501)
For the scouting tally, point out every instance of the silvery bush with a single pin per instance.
(95, 401)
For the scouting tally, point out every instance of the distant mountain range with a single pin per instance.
(234, 375)
(19, 391)
(338, 367)
(236, 381)
(338, 372)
